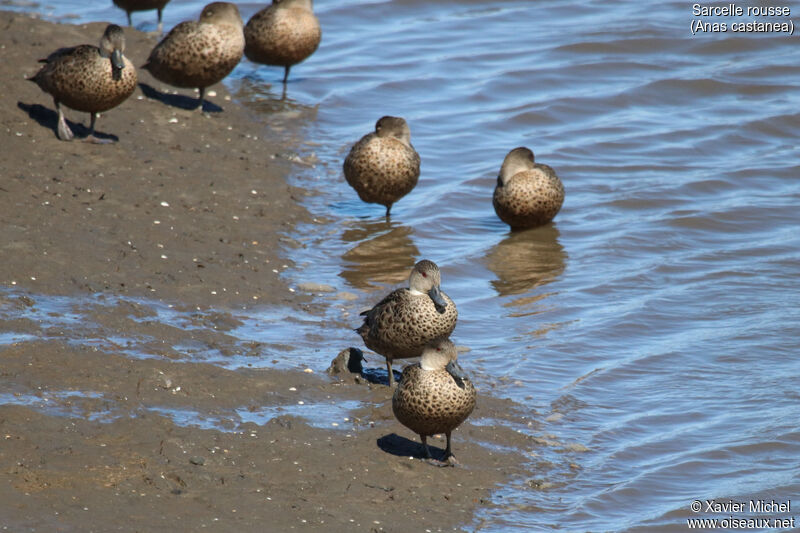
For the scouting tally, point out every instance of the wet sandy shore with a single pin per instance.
(190, 209)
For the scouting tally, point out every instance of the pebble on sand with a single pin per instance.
(314, 287)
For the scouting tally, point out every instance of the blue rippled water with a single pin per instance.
(655, 322)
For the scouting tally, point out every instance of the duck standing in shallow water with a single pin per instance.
(88, 78)
(142, 5)
(283, 34)
(527, 194)
(435, 395)
(383, 166)
(200, 54)
(403, 323)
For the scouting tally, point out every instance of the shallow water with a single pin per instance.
(655, 322)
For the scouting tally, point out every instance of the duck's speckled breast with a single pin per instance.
(429, 401)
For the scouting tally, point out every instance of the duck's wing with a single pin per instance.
(69, 51)
(371, 316)
(393, 296)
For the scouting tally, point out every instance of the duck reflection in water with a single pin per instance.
(526, 260)
(383, 254)
(263, 97)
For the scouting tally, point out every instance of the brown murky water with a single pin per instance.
(656, 320)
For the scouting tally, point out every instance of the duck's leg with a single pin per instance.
(424, 439)
(388, 210)
(430, 459)
(130, 20)
(389, 369)
(448, 453)
(63, 131)
(160, 22)
(202, 95)
(286, 73)
(91, 137)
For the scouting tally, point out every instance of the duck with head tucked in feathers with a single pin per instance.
(282, 34)
(88, 78)
(527, 194)
(400, 325)
(383, 166)
(200, 53)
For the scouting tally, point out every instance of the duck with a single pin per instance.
(401, 324)
(142, 5)
(527, 194)
(88, 78)
(200, 54)
(434, 396)
(284, 33)
(383, 166)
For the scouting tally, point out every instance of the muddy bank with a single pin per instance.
(100, 432)
(185, 206)
(116, 460)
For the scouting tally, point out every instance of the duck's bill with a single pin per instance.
(116, 60)
(454, 369)
(438, 300)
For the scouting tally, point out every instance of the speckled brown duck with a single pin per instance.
(88, 78)
(401, 324)
(527, 194)
(142, 5)
(434, 396)
(383, 166)
(200, 54)
(282, 34)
